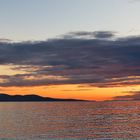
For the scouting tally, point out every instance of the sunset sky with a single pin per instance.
(82, 49)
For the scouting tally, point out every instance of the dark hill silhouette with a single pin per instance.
(30, 98)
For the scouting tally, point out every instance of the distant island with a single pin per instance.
(30, 98)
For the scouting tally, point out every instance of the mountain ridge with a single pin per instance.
(31, 98)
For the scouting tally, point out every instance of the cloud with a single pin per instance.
(89, 35)
(103, 34)
(133, 1)
(98, 61)
(5, 40)
(135, 95)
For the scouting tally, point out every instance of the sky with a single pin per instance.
(70, 48)
(42, 19)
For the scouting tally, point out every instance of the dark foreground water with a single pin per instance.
(70, 120)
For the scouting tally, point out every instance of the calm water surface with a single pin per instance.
(70, 120)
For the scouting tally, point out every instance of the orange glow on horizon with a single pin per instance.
(70, 91)
(74, 91)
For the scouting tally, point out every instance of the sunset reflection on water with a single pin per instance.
(64, 120)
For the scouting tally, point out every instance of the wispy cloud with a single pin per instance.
(89, 35)
(133, 1)
(134, 95)
(5, 40)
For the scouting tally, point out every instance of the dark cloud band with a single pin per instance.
(100, 61)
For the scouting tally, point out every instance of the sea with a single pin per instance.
(110, 120)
